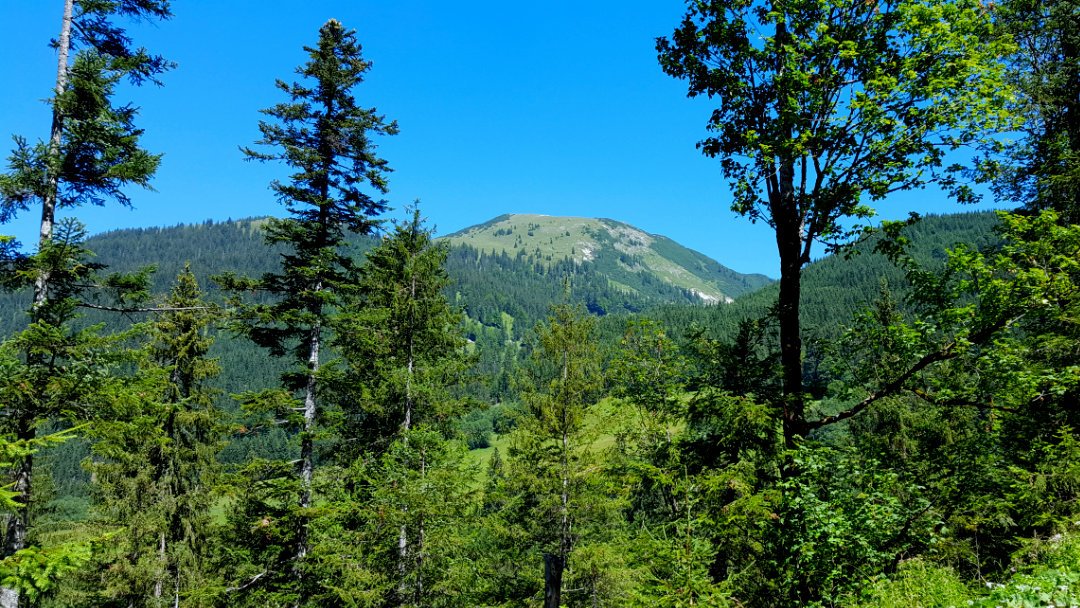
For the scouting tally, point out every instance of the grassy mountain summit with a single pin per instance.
(622, 253)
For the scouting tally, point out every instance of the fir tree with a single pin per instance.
(325, 137)
(563, 382)
(403, 344)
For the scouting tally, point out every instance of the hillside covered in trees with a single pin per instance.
(324, 409)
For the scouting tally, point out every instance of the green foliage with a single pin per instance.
(402, 342)
(95, 149)
(863, 97)
(325, 138)
(842, 519)
(155, 461)
(917, 584)
(1040, 169)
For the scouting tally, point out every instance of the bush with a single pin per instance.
(916, 584)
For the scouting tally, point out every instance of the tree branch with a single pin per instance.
(133, 310)
(889, 389)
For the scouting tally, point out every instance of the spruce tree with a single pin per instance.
(562, 382)
(403, 345)
(91, 155)
(402, 339)
(325, 138)
(155, 459)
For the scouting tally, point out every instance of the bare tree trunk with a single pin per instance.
(48, 201)
(789, 244)
(788, 220)
(159, 585)
(403, 557)
(403, 536)
(307, 444)
(19, 522)
(307, 454)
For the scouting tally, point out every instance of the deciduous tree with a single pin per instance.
(827, 105)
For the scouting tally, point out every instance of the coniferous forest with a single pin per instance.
(330, 409)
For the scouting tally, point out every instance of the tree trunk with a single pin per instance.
(159, 585)
(307, 444)
(789, 243)
(553, 571)
(48, 201)
(788, 220)
(419, 591)
(19, 522)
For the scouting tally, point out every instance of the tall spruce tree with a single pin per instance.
(326, 138)
(402, 339)
(91, 155)
(563, 382)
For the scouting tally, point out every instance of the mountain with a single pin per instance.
(629, 258)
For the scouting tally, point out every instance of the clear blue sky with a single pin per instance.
(551, 107)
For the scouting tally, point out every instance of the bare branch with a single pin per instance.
(134, 310)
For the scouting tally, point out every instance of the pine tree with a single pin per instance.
(325, 137)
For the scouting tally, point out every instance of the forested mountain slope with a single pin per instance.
(632, 260)
(505, 292)
(498, 268)
(836, 287)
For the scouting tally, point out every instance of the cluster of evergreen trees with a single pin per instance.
(922, 455)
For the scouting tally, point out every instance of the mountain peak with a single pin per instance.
(628, 256)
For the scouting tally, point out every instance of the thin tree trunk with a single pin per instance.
(419, 592)
(159, 585)
(18, 523)
(48, 201)
(403, 537)
(564, 473)
(307, 444)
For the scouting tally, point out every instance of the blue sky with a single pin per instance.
(552, 107)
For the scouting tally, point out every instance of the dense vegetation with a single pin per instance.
(890, 426)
